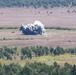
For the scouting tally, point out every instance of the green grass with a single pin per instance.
(60, 59)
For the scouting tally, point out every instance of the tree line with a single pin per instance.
(30, 52)
(37, 69)
(37, 3)
(7, 53)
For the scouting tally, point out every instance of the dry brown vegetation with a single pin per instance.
(63, 38)
(55, 17)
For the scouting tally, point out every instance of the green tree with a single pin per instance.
(73, 70)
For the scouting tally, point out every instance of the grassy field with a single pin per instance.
(49, 60)
(55, 17)
(63, 38)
